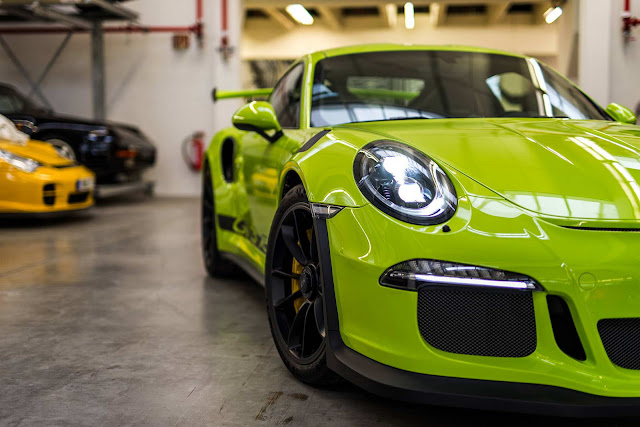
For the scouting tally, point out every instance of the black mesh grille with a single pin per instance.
(477, 322)
(621, 339)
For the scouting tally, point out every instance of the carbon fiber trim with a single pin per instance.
(477, 322)
(315, 138)
(621, 339)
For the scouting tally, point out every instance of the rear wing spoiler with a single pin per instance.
(228, 94)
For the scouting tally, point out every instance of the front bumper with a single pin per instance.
(123, 161)
(46, 191)
(376, 341)
(104, 191)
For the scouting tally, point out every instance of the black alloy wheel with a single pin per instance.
(294, 290)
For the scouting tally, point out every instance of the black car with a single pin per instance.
(117, 153)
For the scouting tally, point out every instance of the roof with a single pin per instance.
(387, 47)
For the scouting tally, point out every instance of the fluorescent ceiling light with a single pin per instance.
(552, 14)
(392, 14)
(409, 16)
(300, 14)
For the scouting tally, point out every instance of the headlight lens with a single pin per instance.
(19, 162)
(405, 183)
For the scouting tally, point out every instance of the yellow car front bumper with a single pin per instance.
(47, 190)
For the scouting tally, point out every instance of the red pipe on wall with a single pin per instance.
(224, 41)
(628, 22)
(199, 11)
(131, 29)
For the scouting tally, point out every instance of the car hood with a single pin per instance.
(39, 151)
(557, 168)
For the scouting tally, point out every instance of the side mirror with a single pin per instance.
(622, 114)
(259, 117)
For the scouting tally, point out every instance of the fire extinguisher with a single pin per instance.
(193, 150)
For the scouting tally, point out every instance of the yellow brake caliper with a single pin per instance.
(296, 268)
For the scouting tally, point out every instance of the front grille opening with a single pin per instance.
(477, 322)
(621, 340)
(564, 328)
(49, 194)
(78, 197)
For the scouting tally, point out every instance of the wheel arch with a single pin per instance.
(326, 172)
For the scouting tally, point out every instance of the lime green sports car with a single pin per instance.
(447, 225)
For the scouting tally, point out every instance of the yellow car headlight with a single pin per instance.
(22, 163)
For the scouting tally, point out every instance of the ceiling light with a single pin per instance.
(552, 14)
(409, 16)
(392, 14)
(300, 14)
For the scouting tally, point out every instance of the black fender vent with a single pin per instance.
(564, 328)
(477, 322)
(621, 339)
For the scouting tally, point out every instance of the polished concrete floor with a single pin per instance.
(109, 319)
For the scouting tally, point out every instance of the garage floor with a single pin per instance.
(109, 319)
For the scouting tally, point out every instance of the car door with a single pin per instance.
(264, 160)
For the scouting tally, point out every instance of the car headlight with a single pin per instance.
(405, 183)
(411, 275)
(19, 162)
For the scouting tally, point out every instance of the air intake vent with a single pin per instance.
(78, 198)
(49, 194)
(621, 339)
(564, 329)
(477, 322)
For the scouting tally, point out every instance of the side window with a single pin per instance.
(286, 98)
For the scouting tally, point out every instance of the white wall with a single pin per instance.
(263, 39)
(625, 59)
(594, 69)
(165, 92)
(609, 66)
(568, 37)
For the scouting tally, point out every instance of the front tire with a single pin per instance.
(215, 265)
(294, 291)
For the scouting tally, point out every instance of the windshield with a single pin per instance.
(12, 102)
(405, 85)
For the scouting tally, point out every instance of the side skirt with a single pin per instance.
(245, 265)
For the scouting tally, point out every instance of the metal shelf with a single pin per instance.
(65, 12)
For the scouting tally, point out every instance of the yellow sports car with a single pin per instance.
(35, 179)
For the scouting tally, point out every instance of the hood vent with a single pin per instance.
(625, 230)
